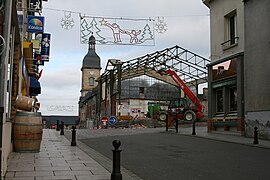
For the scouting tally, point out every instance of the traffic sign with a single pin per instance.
(104, 119)
(112, 120)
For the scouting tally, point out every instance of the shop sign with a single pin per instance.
(45, 46)
(35, 24)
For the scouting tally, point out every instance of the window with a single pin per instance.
(233, 99)
(230, 30)
(219, 101)
(91, 81)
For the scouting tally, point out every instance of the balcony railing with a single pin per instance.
(230, 43)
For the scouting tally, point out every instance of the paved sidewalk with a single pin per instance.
(56, 160)
(201, 131)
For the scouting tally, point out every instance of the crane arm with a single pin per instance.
(186, 89)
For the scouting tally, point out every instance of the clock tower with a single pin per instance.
(90, 68)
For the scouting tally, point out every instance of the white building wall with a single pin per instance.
(218, 27)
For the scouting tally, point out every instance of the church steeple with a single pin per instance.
(90, 68)
(92, 43)
(91, 59)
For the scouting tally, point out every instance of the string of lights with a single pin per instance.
(81, 14)
(109, 30)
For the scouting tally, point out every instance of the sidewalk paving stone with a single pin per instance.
(57, 159)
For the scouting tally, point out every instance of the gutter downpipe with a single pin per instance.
(3, 68)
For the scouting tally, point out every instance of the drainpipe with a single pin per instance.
(3, 64)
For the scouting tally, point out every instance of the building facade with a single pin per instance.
(19, 72)
(10, 54)
(257, 64)
(238, 87)
(225, 72)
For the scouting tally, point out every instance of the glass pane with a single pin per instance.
(219, 101)
(233, 99)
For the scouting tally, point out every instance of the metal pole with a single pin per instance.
(62, 128)
(193, 128)
(116, 172)
(176, 125)
(119, 70)
(57, 125)
(73, 139)
(167, 123)
(255, 136)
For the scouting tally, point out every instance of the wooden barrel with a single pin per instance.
(27, 131)
(25, 103)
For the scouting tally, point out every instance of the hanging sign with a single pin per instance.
(45, 46)
(37, 59)
(35, 24)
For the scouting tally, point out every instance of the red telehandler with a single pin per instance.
(179, 109)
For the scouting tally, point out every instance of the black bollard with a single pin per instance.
(176, 125)
(73, 138)
(255, 136)
(62, 128)
(57, 125)
(116, 173)
(167, 124)
(193, 129)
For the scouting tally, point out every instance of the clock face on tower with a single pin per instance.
(91, 73)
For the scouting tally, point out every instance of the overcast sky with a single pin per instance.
(187, 26)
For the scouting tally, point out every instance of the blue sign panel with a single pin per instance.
(35, 24)
(45, 46)
(112, 120)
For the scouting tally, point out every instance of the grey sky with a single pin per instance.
(188, 27)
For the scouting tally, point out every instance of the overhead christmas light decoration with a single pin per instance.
(118, 31)
(161, 26)
(67, 21)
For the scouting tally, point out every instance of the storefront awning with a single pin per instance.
(229, 82)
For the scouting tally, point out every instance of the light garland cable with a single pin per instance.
(122, 18)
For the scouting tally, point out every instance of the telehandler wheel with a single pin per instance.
(162, 116)
(189, 115)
